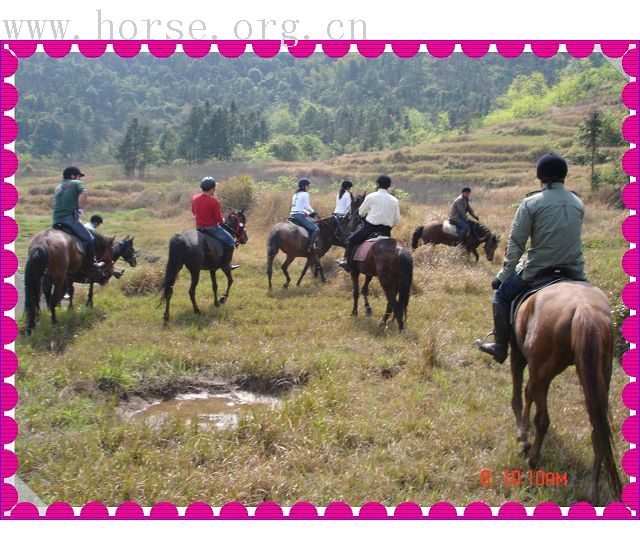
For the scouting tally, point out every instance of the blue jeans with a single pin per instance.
(306, 223)
(463, 227)
(78, 228)
(219, 233)
(509, 290)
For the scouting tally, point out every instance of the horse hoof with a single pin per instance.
(222, 300)
(526, 447)
(285, 286)
(368, 311)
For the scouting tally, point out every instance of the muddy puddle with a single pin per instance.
(211, 409)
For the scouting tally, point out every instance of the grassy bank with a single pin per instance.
(367, 414)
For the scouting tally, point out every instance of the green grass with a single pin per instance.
(370, 414)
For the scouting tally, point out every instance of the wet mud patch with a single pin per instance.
(212, 403)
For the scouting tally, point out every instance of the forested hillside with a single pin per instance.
(251, 108)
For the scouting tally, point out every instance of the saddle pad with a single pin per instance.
(534, 287)
(449, 228)
(212, 245)
(302, 231)
(362, 250)
(76, 240)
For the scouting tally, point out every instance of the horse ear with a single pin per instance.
(243, 209)
(498, 238)
(112, 239)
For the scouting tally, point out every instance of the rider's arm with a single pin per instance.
(82, 200)
(307, 204)
(365, 206)
(396, 216)
(520, 231)
(470, 210)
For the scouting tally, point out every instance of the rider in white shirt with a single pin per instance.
(344, 199)
(301, 211)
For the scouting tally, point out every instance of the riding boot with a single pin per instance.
(347, 262)
(226, 256)
(91, 266)
(500, 347)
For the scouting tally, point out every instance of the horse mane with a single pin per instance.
(480, 230)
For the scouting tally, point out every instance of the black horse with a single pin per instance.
(197, 252)
(123, 249)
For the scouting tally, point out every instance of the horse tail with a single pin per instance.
(593, 347)
(405, 278)
(34, 271)
(416, 237)
(272, 244)
(175, 262)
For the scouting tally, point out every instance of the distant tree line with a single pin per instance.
(299, 108)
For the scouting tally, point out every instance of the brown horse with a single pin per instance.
(286, 237)
(393, 265)
(54, 252)
(563, 324)
(433, 234)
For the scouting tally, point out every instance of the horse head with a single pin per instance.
(236, 223)
(490, 245)
(125, 250)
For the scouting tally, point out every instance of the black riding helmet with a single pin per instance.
(207, 183)
(552, 167)
(71, 171)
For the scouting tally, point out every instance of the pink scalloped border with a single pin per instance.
(12, 50)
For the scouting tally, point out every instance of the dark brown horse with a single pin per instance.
(123, 249)
(54, 252)
(192, 249)
(433, 234)
(393, 265)
(286, 237)
(563, 324)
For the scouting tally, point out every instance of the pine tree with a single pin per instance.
(590, 136)
(126, 153)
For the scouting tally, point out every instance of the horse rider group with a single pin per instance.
(550, 218)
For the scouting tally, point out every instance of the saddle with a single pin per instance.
(302, 231)
(76, 240)
(213, 246)
(545, 278)
(362, 251)
(450, 228)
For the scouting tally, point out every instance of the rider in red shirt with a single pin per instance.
(206, 209)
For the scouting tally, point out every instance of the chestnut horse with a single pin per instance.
(286, 237)
(189, 249)
(433, 233)
(53, 252)
(563, 324)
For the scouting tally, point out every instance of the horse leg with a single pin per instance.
(270, 258)
(284, 267)
(227, 273)
(47, 289)
(541, 419)
(475, 254)
(195, 277)
(317, 266)
(70, 290)
(90, 296)
(59, 285)
(304, 271)
(518, 363)
(356, 290)
(392, 306)
(214, 286)
(365, 295)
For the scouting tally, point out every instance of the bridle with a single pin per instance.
(240, 229)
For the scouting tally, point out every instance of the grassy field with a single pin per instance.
(367, 414)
